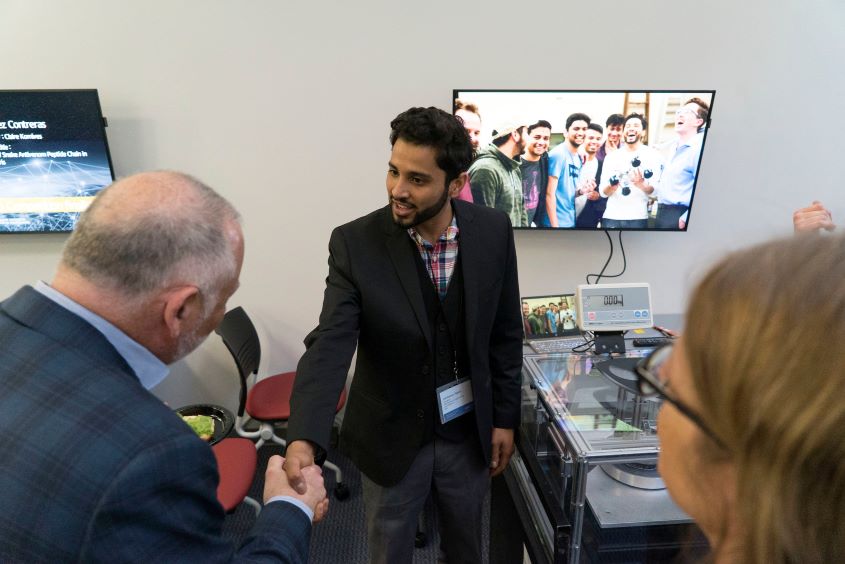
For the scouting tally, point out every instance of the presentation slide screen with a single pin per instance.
(54, 158)
(577, 159)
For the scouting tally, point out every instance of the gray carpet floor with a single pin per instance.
(341, 536)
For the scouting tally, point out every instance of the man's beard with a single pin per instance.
(424, 214)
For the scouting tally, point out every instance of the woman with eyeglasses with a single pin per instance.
(752, 429)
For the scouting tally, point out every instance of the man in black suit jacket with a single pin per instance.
(427, 289)
(94, 467)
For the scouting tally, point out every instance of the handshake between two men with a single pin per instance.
(308, 486)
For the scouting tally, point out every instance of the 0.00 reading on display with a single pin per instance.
(613, 300)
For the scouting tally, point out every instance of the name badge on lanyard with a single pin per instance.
(454, 399)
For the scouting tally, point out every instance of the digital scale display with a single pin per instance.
(612, 300)
(614, 307)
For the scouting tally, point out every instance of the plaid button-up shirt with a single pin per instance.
(439, 257)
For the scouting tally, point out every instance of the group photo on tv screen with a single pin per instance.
(586, 159)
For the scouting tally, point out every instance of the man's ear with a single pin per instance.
(457, 184)
(182, 304)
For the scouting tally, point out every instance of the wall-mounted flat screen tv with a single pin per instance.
(54, 158)
(579, 159)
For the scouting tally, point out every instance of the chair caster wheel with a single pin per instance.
(341, 492)
(420, 539)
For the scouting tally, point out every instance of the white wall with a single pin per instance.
(284, 108)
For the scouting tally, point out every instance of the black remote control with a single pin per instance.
(643, 342)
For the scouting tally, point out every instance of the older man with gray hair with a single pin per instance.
(94, 467)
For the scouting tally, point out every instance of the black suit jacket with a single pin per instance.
(94, 468)
(373, 299)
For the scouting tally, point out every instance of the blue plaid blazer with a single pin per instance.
(94, 468)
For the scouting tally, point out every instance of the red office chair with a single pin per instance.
(268, 401)
(236, 463)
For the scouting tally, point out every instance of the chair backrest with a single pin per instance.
(239, 336)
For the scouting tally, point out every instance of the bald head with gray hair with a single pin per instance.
(147, 232)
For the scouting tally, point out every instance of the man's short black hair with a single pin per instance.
(596, 127)
(540, 123)
(614, 119)
(577, 117)
(639, 117)
(432, 127)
